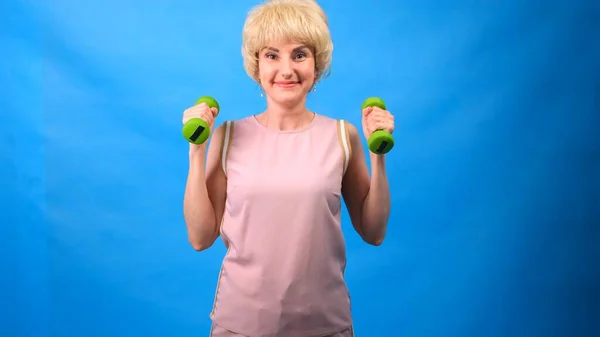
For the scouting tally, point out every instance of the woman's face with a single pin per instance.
(286, 71)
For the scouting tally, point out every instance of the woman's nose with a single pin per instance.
(286, 68)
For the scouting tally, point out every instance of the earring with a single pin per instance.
(260, 88)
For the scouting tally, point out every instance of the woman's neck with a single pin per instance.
(286, 118)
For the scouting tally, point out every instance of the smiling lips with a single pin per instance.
(286, 84)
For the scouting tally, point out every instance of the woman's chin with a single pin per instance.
(289, 96)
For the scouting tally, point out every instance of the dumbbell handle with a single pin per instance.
(380, 141)
(197, 130)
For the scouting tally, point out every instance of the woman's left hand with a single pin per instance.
(374, 118)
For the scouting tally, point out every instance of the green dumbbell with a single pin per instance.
(196, 130)
(380, 142)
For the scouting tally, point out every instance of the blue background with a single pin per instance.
(495, 176)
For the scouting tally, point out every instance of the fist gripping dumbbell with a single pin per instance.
(197, 130)
(380, 141)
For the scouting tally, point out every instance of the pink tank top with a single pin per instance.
(283, 274)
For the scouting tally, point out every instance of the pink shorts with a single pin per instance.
(217, 331)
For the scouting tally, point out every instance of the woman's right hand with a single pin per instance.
(204, 112)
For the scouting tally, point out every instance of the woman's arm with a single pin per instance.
(205, 193)
(367, 198)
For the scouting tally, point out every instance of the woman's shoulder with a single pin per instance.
(331, 119)
(236, 120)
(229, 123)
(340, 122)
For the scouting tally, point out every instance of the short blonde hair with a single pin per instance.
(303, 21)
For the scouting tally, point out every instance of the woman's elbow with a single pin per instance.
(374, 241)
(374, 233)
(200, 245)
(201, 239)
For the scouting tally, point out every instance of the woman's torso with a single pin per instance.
(283, 274)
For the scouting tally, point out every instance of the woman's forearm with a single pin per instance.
(377, 205)
(198, 210)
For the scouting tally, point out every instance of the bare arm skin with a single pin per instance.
(367, 198)
(205, 192)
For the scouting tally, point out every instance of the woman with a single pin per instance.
(272, 184)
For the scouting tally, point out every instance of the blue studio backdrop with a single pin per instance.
(495, 173)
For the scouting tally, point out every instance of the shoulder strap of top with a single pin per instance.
(344, 138)
(226, 143)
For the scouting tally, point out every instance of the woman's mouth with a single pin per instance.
(286, 84)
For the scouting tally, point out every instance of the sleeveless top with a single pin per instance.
(283, 273)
